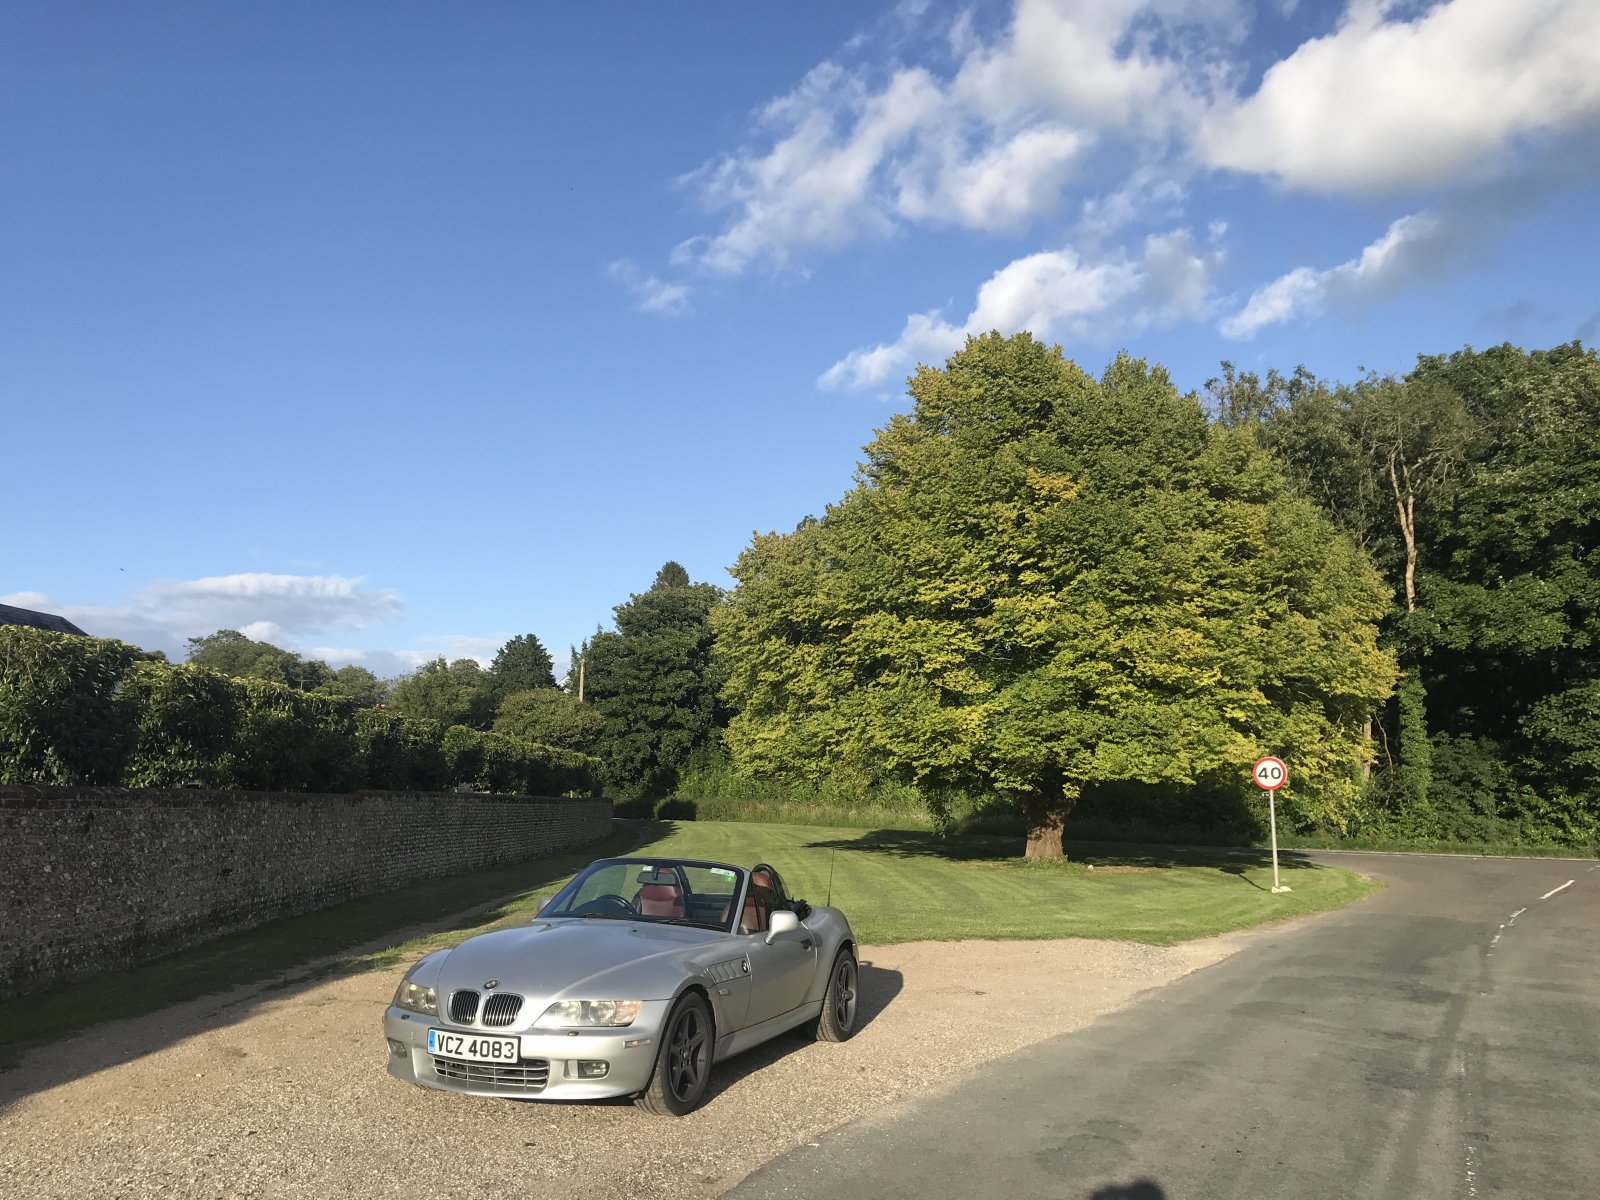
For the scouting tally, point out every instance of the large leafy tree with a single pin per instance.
(232, 653)
(1043, 583)
(359, 684)
(452, 693)
(523, 663)
(656, 682)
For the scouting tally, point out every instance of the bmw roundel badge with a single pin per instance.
(490, 984)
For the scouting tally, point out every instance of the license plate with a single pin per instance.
(473, 1047)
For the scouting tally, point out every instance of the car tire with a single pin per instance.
(841, 1002)
(683, 1061)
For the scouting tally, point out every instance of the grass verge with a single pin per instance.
(895, 886)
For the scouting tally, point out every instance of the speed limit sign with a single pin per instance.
(1270, 774)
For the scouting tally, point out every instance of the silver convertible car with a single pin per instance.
(631, 981)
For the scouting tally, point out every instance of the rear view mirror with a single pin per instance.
(781, 921)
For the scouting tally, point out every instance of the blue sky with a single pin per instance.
(391, 330)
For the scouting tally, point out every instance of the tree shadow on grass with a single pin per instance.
(911, 843)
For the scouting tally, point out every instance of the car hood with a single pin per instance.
(573, 959)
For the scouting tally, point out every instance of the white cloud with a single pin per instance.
(1085, 63)
(992, 146)
(1394, 103)
(1397, 96)
(1051, 295)
(814, 187)
(1410, 246)
(286, 610)
(651, 294)
(1001, 187)
(1152, 190)
(164, 614)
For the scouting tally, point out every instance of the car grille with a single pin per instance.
(463, 1007)
(529, 1075)
(500, 1009)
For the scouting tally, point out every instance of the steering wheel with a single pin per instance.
(610, 900)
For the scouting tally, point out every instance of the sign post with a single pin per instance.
(1270, 774)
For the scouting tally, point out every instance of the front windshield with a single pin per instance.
(665, 891)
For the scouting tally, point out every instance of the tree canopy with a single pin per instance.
(521, 664)
(655, 681)
(551, 717)
(1043, 583)
(452, 693)
(232, 653)
(1474, 482)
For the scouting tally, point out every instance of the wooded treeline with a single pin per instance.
(1097, 600)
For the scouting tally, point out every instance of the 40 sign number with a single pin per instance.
(1270, 774)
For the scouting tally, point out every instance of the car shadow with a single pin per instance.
(878, 987)
(1138, 1189)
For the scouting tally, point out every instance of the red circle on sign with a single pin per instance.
(1270, 774)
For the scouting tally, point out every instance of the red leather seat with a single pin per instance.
(660, 900)
(754, 919)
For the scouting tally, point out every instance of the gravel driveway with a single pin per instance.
(264, 1093)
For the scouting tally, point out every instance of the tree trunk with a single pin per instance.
(1366, 740)
(1046, 813)
(1405, 504)
(1044, 834)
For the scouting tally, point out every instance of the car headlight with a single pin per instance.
(417, 998)
(566, 1014)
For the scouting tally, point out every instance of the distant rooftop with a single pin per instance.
(10, 615)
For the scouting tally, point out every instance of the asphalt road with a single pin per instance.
(1439, 1039)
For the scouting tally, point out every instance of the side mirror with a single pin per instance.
(781, 921)
(538, 905)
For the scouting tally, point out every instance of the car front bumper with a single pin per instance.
(548, 1069)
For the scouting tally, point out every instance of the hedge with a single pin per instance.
(63, 718)
(76, 710)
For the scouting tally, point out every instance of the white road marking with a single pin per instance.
(1562, 888)
(1515, 915)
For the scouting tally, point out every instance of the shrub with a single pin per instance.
(493, 762)
(295, 741)
(63, 715)
(185, 722)
(400, 753)
(76, 710)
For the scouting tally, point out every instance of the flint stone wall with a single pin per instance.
(93, 879)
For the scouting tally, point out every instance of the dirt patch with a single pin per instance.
(265, 1094)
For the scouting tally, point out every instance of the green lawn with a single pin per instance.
(906, 885)
(895, 886)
